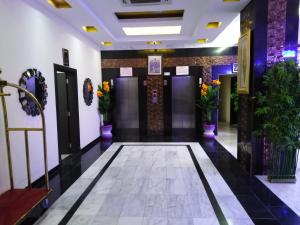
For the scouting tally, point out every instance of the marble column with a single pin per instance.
(274, 25)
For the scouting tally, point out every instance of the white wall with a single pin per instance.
(225, 91)
(31, 39)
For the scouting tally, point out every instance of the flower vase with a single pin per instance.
(106, 132)
(209, 131)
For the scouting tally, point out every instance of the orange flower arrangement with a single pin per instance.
(207, 100)
(104, 97)
(99, 94)
(216, 82)
(105, 86)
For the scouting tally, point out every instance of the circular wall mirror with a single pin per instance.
(88, 91)
(33, 81)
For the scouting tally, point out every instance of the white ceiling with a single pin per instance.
(198, 13)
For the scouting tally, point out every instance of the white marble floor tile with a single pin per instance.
(112, 206)
(155, 221)
(158, 172)
(174, 173)
(130, 221)
(91, 205)
(288, 193)
(178, 207)
(80, 220)
(207, 221)
(134, 206)
(227, 137)
(148, 185)
(180, 221)
(156, 206)
(156, 186)
(176, 187)
(101, 220)
(51, 217)
(231, 207)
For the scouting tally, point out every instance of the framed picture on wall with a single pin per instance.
(243, 74)
(154, 64)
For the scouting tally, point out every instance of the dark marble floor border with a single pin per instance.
(260, 203)
(87, 191)
(212, 198)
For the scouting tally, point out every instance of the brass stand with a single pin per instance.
(8, 129)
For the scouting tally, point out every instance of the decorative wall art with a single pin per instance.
(88, 91)
(154, 64)
(33, 81)
(244, 63)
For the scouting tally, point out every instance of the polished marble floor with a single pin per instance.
(147, 184)
(288, 193)
(233, 194)
(227, 137)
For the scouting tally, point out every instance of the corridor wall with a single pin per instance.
(32, 38)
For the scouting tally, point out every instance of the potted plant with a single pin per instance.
(208, 103)
(279, 111)
(105, 105)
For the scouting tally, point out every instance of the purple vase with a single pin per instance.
(106, 132)
(209, 131)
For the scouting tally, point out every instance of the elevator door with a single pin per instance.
(127, 103)
(183, 102)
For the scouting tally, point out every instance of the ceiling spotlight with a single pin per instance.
(202, 40)
(106, 43)
(153, 42)
(214, 24)
(90, 29)
(60, 4)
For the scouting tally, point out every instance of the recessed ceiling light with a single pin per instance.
(161, 30)
(153, 42)
(202, 40)
(106, 43)
(60, 4)
(90, 29)
(214, 24)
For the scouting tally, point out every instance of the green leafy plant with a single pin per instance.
(105, 102)
(279, 105)
(208, 99)
(279, 112)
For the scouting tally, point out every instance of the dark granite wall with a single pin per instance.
(274, 26)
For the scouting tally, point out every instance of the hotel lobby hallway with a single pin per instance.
(183, 182)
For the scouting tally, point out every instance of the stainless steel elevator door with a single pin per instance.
(127, 103)
(183, 102)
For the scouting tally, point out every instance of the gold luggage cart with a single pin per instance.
(16, 204)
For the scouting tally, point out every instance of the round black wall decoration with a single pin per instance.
(88, 91)
(33, 81)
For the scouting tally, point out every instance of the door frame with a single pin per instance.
(72, 72)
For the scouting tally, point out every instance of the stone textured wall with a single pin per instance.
(205, 61)
(276, 30)
(156, 111)
(244, 123)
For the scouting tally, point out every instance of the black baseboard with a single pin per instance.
(90, 145)
(41, 181)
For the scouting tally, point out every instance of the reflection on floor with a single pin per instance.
(63, 156)
(227, 137)
(224, 177)
(288, 193)
(148, 184)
